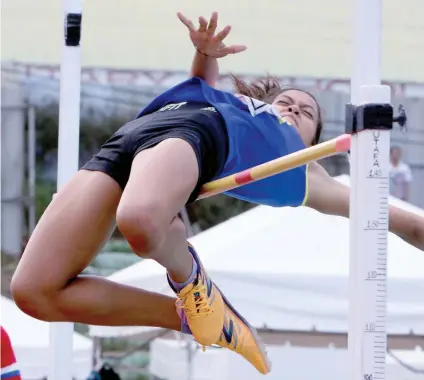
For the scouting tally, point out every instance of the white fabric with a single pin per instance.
(287, 269)
(9, 369)
(169, 361)
(30, 341)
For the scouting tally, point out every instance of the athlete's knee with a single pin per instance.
(33, 298)
(142, 226)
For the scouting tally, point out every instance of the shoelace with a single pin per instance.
(200, 307)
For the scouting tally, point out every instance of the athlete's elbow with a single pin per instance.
(408, 226)
(416, 232)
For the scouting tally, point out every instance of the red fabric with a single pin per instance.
(9, 369)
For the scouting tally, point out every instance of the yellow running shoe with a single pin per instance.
(239, 336)
(202, 304)
(212, 320)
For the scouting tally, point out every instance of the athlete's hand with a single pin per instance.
(206, 41)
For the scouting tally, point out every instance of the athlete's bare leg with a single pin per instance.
(73, 228)
(161, 181)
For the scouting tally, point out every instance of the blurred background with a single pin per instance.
(133, 50)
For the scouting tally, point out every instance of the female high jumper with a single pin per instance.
(147, 172)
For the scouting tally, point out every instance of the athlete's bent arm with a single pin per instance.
(329, 196)
(205, 67)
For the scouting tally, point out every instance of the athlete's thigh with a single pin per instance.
(181, 150)
(71, 231)
(162, 179)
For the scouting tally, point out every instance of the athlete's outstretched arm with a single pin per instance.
(329, 196)
(209, 47)
(205, 67)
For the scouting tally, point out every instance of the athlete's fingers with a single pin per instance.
(186, 22)
(203, 24)
(213, 23)
(233, 49)
(223, 33)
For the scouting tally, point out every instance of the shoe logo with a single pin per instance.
(208, 282)
(209, 286)
(229, 331)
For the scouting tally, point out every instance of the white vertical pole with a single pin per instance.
(32, 167)
(367, 338)
(366, 46)
(61, 334)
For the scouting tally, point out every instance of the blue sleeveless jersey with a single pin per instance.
(256, 135)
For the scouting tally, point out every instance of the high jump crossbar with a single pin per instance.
(279, 165)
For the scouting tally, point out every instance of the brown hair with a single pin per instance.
(267, 90)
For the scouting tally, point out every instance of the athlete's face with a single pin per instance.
(300, 110)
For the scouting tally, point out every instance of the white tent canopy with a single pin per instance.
(30, 341)
(287, 269)
(169, 360)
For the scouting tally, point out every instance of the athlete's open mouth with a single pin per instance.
(290, 119)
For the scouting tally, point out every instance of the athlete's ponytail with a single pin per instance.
(266, 89)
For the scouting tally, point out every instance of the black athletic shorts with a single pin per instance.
(198, 124)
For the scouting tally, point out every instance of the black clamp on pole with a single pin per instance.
(73, 29)
(372, 116)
